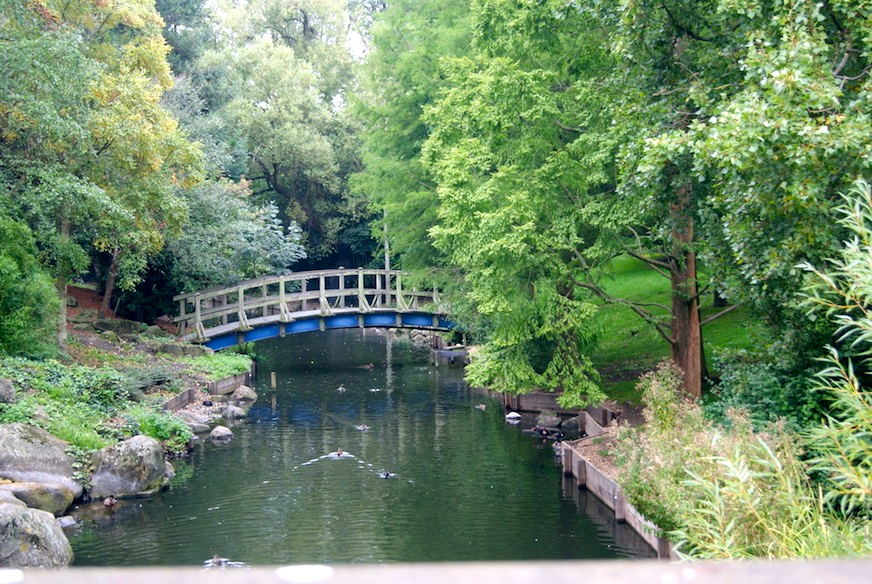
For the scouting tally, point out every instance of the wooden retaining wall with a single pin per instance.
(609, 492)
(220, 387)
(538, 400)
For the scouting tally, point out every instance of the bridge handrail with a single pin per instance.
(221, 302)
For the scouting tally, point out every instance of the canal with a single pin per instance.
(463, 485)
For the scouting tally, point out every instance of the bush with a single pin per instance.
(29, 303)
(751, 382)
(171, 430)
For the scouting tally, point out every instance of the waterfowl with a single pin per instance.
(481, 407)
(110, 501)
(385, 474)
(513, 416)
(341, 388)
(362, 427)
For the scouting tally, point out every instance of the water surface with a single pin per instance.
(464, 485)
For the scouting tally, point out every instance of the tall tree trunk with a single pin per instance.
(61, 286)
(687, 352)
(110, 283)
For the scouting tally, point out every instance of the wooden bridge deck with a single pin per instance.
(305, 301)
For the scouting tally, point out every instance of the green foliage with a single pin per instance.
(841, 447)
(219, 365)
(231, 239)
(29, 303)
(171, 430)
(727, 493)
(768, 392)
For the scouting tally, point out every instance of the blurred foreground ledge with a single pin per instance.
(587, 572)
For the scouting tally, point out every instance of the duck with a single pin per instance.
(362, 427)
(481, 407)
(513, 416)
(386, 474)
(341, 388)
(109, 501)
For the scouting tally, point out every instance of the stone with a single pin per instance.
(548, 419)
(233, 413)
(129, 337)
(572, 424)
(244, 393)
(86, 315)
(72, 302)
(8, 498)
(221, 433)
(66, 521)
(134, 467)
(184, 350)
(189, 416)
(119, 325)
(156, 332)
(54, 498)
(30, 538)
(32, 455)
(169, 471)
(198, 428)
(7, 391)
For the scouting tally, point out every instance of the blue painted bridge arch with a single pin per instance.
(317, 323)
(275, 306)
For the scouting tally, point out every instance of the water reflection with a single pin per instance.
(464, 485)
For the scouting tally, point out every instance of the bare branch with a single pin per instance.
(719, 314)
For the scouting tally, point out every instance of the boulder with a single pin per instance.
(221, 433)
(233, 413)
(131, 468)
(244, 393)
(548, 419)
(189, 416)
(7, 498)
(7, 392)
(30, 538)
(86, 315)
(72, 302)
(119, 325)
(169, 471)
(198, 428)
(53, 498)
(184, 350)
(572, 424)
(32, 455)
(156, 331)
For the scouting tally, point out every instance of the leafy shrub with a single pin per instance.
(749, 381)
(29, 303)
(219, 365)
(171, 430)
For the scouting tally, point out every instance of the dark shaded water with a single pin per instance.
(468, 486)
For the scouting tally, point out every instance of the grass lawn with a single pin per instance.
(629, 346)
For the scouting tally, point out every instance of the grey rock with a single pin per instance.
(66, 521)
(131, 468)
(233, 413)
(119, 325)
(30, 538)
(244, 393)
(7, 391)
(221, 433)
(548, 419)
(30, 454)
(155, 331)
(184, 350)
(572, 424)
(169, 470)
(8, 498)
(54, 498)
(86, 315)
(198, 428)
(72, 302)
(192, 416)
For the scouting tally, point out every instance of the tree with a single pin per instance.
(289, 68)
(401, 77)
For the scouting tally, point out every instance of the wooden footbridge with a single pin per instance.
(275, 306)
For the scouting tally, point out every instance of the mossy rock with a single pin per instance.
(119, 325)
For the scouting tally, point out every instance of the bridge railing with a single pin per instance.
(283, 298)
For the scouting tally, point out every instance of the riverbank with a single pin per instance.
(91, 428)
